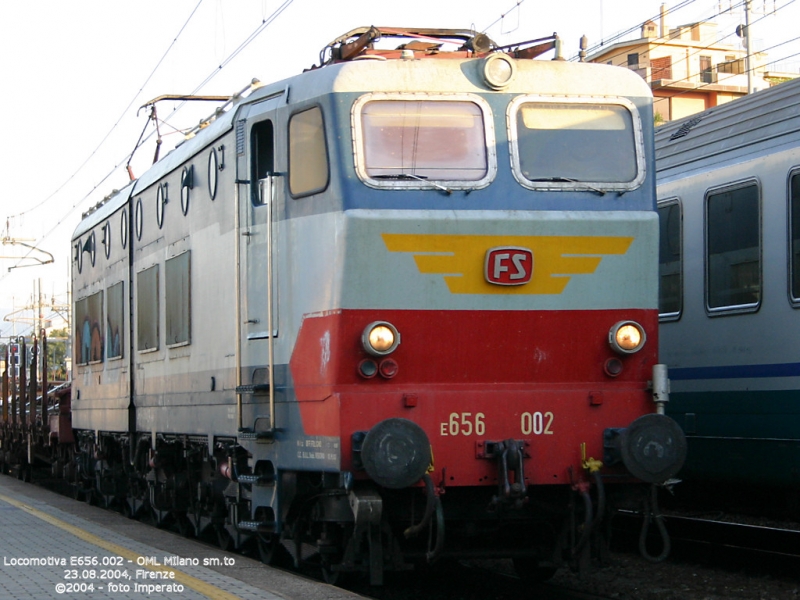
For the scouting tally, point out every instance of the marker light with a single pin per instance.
(367, 368)
(388, 368)
(613, 367)
(627, 337)
(380, 338)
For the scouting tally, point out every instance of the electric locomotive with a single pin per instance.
(729, 206)
(399, 307)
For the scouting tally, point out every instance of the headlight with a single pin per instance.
(380, 338)
(498, 70)
(627, 337)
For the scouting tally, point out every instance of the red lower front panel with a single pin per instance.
(473, 378)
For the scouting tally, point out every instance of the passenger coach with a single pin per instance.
(729, 207)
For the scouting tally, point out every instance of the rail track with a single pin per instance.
(727, 541)
(470, 580)
(716, 542)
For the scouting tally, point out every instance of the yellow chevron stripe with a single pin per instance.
(460, 258)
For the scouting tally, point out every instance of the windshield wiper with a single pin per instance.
(570, 180)
(410, 177)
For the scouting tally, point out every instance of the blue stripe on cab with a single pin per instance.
(736, 371)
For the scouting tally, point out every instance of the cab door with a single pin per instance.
(259, 208)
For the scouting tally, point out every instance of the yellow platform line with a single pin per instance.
(207, 589)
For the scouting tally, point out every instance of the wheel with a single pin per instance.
(271, 551)
(224, 539)
(266, 549)
(184, 526)
(332, 577)
(75, 491)
(331, 546)
(531, 570)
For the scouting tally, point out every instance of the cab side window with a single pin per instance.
(262, 157)
(308, 155)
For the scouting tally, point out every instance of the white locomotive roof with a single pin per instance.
(731, 132)
(103, 210)
(460, 76)
(438, 76)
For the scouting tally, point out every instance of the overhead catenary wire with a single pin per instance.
(696, 51)
(503, 15)
(264, 24)
(119, 119)
(124, 161)
(752, 69)
(250, 38)
(717, 41)
(94, 152)
(598, 47)
(665, 41)
(621, 34)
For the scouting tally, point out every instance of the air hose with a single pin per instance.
(651, 510)
(433, 505)
(430, 507)
(588, 523)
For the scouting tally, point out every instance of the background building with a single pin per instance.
(690, 67)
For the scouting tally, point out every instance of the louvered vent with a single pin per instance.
(684, 129)
(240, 131)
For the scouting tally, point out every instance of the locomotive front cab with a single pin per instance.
(489, 330)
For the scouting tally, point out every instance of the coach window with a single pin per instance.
(670, 271)
(147, 309)
(178, 297)
(81, 318)
(262, 158)
(576, 144)
(794, 242)
(308, 155)
(733, 249)
(115, 332)
(404, 141)
(89, 329)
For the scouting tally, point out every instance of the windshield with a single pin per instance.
(418, 140)
(575, 142)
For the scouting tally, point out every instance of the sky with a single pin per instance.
(74, 75)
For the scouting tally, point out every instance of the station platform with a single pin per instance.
(56, 547)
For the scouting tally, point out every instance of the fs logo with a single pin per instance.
(508, 265)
